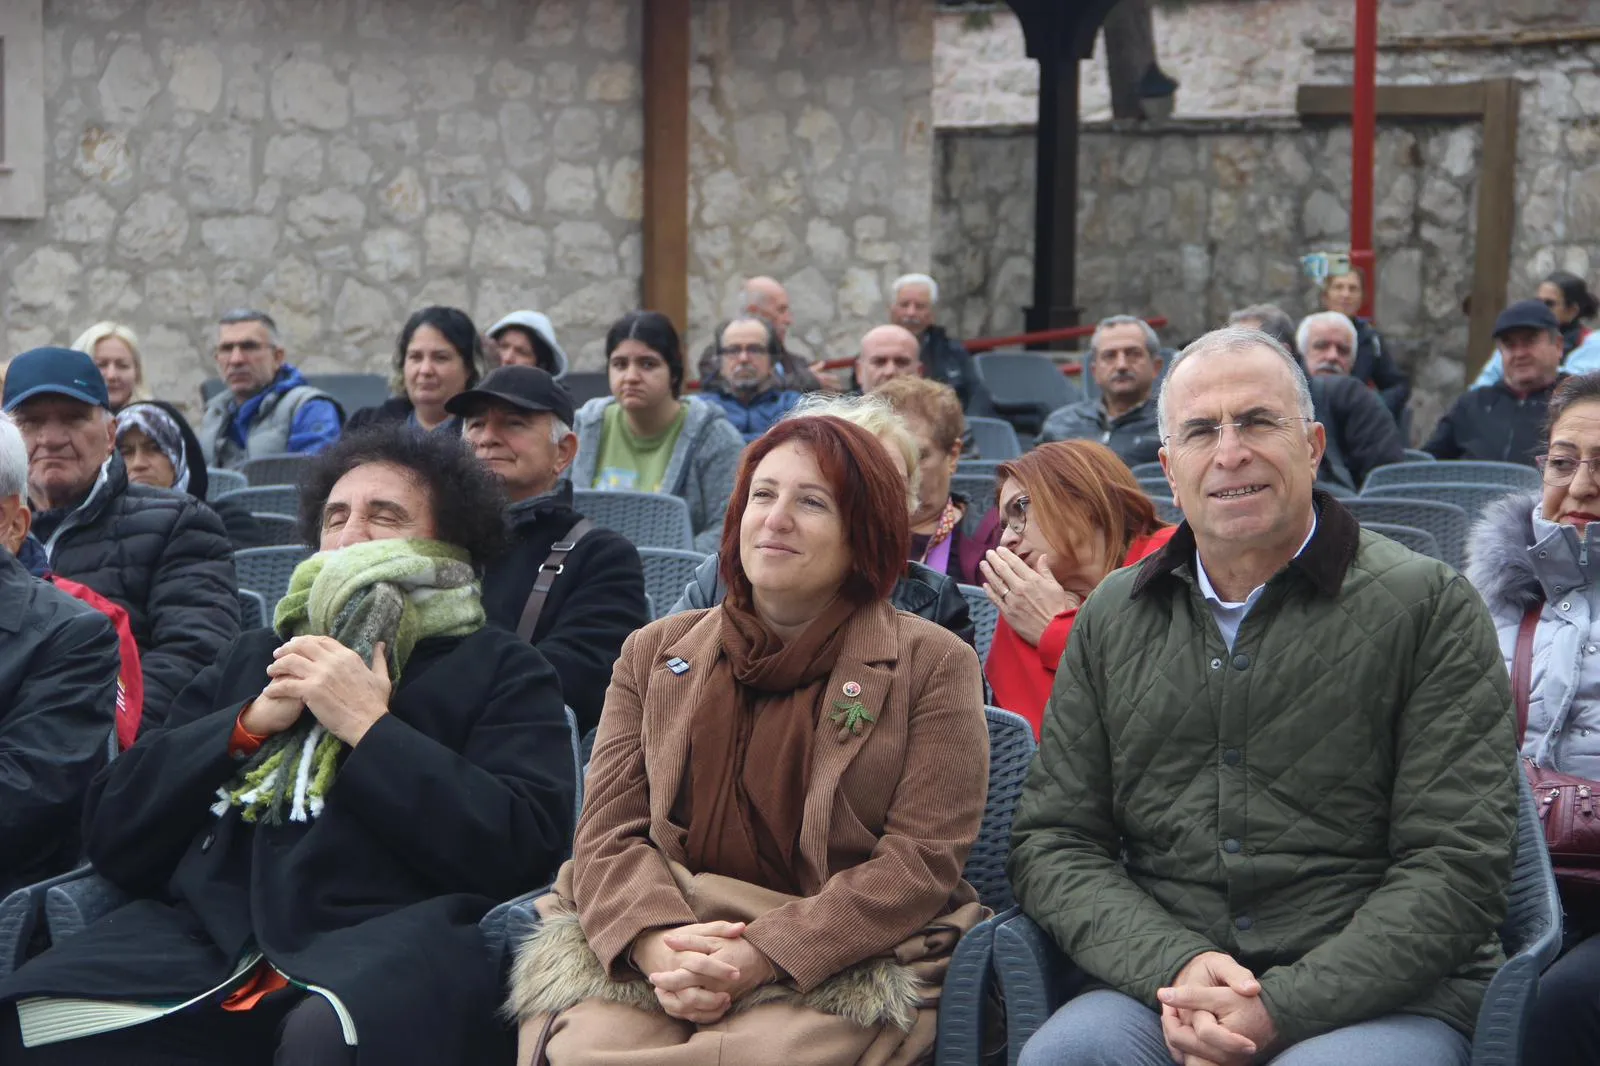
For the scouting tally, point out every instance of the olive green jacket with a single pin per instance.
(1333, 802)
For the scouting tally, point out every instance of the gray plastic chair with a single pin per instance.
(1033, 971)
(219, 482)
(352, 391)
(1471, 496)
(267, 499)
(252, 610)
(667, 571)
(979, 467)
(984, 616)
(1155, 486)
(1025, 387)
(1447, 522)
(1168, 510)
(1141, 471)
(648, 519)
(995, 438)
(267, 570)
(275, 469)
(1471, 472)
(1418, 540)
(979, 491)
(278, 529)
(1417, 455)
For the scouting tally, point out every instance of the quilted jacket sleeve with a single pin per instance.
(1065, 863)
(193, 605)
(1452, 824)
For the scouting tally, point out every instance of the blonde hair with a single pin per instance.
(101, 331)
(932, 401)
(873, 414)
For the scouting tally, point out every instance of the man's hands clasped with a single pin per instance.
(1212, 1015)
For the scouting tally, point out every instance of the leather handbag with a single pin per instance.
(1569, 806)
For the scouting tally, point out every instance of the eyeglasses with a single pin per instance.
(1253, 431)
(754, 351)
(1015, 515)
(1561, 469)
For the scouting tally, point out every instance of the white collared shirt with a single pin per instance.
(1229, 616)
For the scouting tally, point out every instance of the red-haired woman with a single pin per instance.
(782, 795)
(1071, 513)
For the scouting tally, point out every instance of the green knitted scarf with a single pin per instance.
(393, 592)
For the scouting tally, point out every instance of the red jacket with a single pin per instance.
(130, 683)
(1023, 675)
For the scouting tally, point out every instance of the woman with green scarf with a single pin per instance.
(309, 843)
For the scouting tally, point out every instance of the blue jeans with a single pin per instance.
(1105, 1028)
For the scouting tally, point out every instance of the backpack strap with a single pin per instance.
(549, 570)
(1522, 669)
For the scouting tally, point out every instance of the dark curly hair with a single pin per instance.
(468, 501)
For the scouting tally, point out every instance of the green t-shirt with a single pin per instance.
(634, 464)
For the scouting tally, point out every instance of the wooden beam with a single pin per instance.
(1463, 100)
(665, 69)
(1491, 245)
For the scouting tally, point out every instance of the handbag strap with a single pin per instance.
(549, 570)
(1522, 669)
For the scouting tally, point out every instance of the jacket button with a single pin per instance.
(1231, 846)
(1566, 605)
(205, 845)
(1216, 664)
(1231, 756)
(1243, 923)
(1241, 662)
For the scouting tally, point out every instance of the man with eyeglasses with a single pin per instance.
(749, 383)
(1273, 808)
(1504, 422)
(268, 407)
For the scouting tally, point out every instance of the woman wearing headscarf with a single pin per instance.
(160, 450)
(309, 843)
(783, 792)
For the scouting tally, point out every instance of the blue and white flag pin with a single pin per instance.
(677, 666)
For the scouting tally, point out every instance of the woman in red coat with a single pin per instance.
(1072, 513)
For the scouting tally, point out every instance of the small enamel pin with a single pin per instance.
(677, 666)
(851, 689)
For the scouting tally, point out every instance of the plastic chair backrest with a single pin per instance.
(648, 519)
(995, 438)
(1471, 496)
(1447, 522)
(978, 488)
(984, 616)
(667, 571)
(1146, 471)
(979, 467)
(1418, 540)
(1026, 386)
(275, 469)
(267, 499)
(1155, 486)
(1417, 455)
(352, 391)
(1168, 510)
(209, 388)
(278, 529)
(267, 570)
(577, 764)
(1011, 748)
(1460, 471)
(252, 610)
(219, 482)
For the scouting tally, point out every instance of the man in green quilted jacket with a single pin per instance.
(1273, 811)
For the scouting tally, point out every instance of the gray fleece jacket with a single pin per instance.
(701, 469)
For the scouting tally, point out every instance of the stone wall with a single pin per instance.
(343, 162)
(812, 157)
(1192, 219)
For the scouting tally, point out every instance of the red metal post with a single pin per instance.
(1363, 134)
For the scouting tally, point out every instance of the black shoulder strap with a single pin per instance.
(549, 570)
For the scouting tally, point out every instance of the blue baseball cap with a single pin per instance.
(58, 372)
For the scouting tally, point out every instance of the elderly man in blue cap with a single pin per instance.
(1504, 421)
(162, 556)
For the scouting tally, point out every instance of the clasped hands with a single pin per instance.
(323, 676)
(699, 970)
(1212, 1015)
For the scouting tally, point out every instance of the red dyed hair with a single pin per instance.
(869, 491)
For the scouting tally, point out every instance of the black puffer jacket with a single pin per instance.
(921, 591)
(165, 558)
(596, 602)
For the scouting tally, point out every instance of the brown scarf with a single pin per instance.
(750, 747)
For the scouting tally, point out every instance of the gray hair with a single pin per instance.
(1275, 323)
(248, 314)
(1152, 343)
(915, 279)
(1324, 318)
(559, 430)
(1236, 340)
(13, 460)
(875, 415)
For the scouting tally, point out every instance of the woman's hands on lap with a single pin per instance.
(1029, 597)
(699, 970)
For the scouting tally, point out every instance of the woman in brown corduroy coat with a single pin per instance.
(782, 796)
